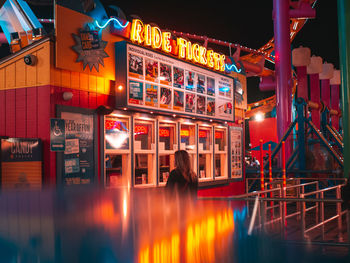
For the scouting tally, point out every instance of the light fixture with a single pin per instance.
(259, 117)
(67, 95)
(174, 115)
(120, 87)
(124, 108)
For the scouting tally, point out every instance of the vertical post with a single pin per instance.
(282, 66)
(340, 238)
(270, 177)
(261, 167)
(344, 55)
(284, 165)
(302, 221)
(322, 216)
(317, 204)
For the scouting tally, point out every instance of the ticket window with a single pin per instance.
(117, 151)
(167, 146)
(145, 152)
(220, 149)
(205, 153)
(188, 142)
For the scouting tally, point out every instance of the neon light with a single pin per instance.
(210, 58)
(136, 30)
(202, 55)
(112, 19)
(219, 135)
(216, 61)
(111, 125)
(222, 62)
(189, 50)
(182, 44)
(185, 133)
(229, 68)
(156, 37)
(166, 42)
(148, 35)
(202, 134)
(195, 52)
(141, 129)
(164, 133)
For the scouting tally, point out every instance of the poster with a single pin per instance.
(21, 163)
(190, 80)
(135, 92)
(200, 83)
(116, 133)
(172, 85)
(190, 102)
(236, 152)
(210, 86)
(200, 104)
(135, 66)
(151, 68)
(178, 100)
(78, 160)
(179, 78)
(165, 74)
(165, 97)
(151, 98)
(225, 87)
(240, 91)
(57, 135)
(210, 106)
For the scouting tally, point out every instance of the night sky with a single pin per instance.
(248, 23)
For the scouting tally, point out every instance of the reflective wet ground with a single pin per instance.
(141, 225)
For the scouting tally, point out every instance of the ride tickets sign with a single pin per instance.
(155, 81)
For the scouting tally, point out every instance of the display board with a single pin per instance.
(236, 137)
(21, 163)
(159, 82)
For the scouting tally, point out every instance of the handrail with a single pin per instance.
(323, 190)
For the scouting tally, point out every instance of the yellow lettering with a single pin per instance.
(195, 52)
(136, 31)
(166, 42)
(202, 57)
(156, 37)
(189, 50)
(222, 62)
(210, 58)
(148, 35)
(216, 57)
(182, 44)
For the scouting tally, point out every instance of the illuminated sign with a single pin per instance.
(111, 125)
(202, 134)
(152, 36)
(218, 135)
(185, 133)
(141, 129)
(164, 133)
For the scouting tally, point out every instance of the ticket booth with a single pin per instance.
(220, 152)
(167, 143)
(117, 150)
(205, 152)
(144, 151)
(188, 142)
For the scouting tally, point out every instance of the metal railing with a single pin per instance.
(273, 207)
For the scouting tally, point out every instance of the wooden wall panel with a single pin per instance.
(2, 79)
(2, 113)
(32, 112)
(65, 78)
(21, 109)
(92, 83)
(43, 65)
(10, 76)
(75, 80)
(84, 82)
(20, 73)
(10, 118)
(84, 99)
(92, 100)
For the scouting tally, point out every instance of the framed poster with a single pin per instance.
(165, 74)
(178, 100)
(190, 102)
(236, 140)
(135, 66)
(210, 86)
(165, 97)
(200, 83)
(135, 92)
(77, 164)
(201, 104)
(179, 78)
(151, 97)
(190, 82)
(151, 69)
(210, 106)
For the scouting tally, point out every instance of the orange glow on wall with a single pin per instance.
(185, 133)
(141, 129)
(164, 133)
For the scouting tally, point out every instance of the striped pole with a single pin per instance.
(284, 164)
(270, 177)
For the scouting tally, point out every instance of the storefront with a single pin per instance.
(129, 96)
